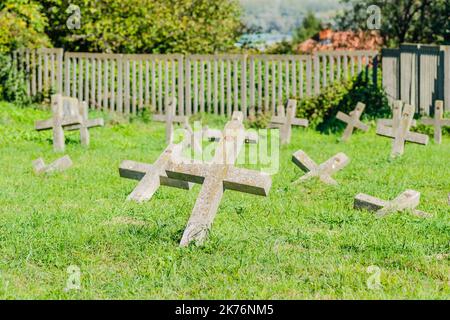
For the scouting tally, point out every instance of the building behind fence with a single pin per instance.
(418, 74)
(218, 84)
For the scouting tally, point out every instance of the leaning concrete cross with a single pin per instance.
(217, 176)
(400, 131)
(323, 171)
(68, 114)
(408, 200)
(396, 116)
(285, 121)
(60, 164)
(353, 121)
(151, 177)
(438, 122)
(170, 118)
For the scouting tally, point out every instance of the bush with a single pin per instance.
(321, 110)
(13, 87)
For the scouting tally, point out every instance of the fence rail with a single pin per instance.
(418, 74)
(218, 84)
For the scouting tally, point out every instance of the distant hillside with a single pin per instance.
(283, 16)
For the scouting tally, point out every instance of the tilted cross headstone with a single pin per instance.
(216, 177)
(323, 171)
(170, 118)
(438, 121)
(408, 200)
(285, 121)
(151, 177)
(60, 164)
(400, 131)
(353, 121)
(68, 114)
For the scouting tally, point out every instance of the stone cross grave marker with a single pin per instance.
(285, 121)
(60, 164)
(217, 176)
(438, 121)
(353, 121)
(68, 114)
(408, 200)
(170, 118)
(323, 171)
(400, 131)
(152, 176)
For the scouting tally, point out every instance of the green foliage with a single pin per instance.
(13, 85)
(145, 26)
(22, 25)
(343, 96)
(310, 26)
(259, 120)
(413, 21)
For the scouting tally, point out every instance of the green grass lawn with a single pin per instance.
(302, 242)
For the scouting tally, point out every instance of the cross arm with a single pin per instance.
(137, 170)
(300, 122)
(248, 181)
(302, 160)
(355, 122)
(90, 123)
(195, 173)
(417, 138)
(48, 124)
(159, 118)
(336, 163)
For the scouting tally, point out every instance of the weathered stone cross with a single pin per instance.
(438, 122)
(216, 177)
(152, 176)
(285, 121)
(60, 164)
(170, 118)
(408, 200)
(353, 121)
(323, 171)
(400, 131)
(68, 114)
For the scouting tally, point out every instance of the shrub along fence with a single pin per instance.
(220, 84)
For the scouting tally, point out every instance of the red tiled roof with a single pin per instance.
(344, 40)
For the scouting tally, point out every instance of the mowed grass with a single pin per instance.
(302, 242)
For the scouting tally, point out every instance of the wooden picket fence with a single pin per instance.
(418, 75)
(219, 84)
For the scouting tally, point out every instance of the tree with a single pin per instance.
(419, 21)
(22, 24)
(309, 27)
(145, 26)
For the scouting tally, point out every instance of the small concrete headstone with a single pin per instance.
(408, 200)
(285, 120)
(216, 177)
(353, 121)
(438, 121)
(322, 171)
(400, 131)
(60, 164)
(68, 114)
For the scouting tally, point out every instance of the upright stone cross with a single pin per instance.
(217, 176)
(151, 177)
(408, 200)
(438, 122)
(323, 171)
(170, 118)
(400, 131)
(285, 121)
(68, 114)
(353, 121)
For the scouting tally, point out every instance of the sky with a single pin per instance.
(283, 16)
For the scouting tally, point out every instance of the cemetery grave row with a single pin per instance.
(219, 174)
